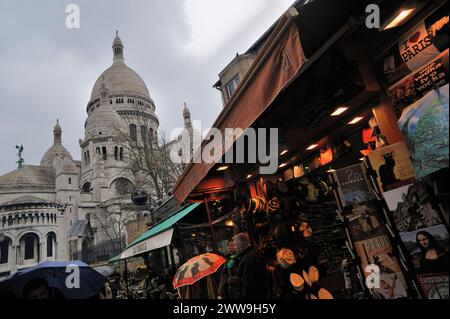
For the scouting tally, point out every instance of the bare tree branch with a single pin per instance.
(146, 158)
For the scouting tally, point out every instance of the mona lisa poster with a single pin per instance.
(428, 248)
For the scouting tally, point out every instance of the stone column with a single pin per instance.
(40, 254)
(15, 258)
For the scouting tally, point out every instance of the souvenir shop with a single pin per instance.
(359, 206)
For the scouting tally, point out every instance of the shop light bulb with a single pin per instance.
(284, 152)
(282, 165)
(223, 168)
(399, 19)
(249, 176)
(229, 223)
(356, 120)
(312, 147)
(339, 111)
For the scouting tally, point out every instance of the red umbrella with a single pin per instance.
(197, 268)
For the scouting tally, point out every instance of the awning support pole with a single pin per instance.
(166, 257)
(126, 279)
(208, 210)
(172, 258)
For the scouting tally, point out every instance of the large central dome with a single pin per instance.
(119, 78)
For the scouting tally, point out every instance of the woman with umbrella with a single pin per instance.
(55, 280)
(189, 277)
(38, 289)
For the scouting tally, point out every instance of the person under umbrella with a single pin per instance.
(55, 280)
(189, 278)
(36, 289)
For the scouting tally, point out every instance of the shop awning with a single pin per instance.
(157, 237)
(280, 61)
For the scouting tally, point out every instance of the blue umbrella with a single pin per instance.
(105, 270)
(59, 275)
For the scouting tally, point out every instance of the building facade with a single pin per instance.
(47, 211)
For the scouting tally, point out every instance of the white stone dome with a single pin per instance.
(104, 121)
(119, 78)
(57, 149)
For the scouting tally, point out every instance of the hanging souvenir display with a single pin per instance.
(297, 282)
(417, 47)
(312, 192)
(326, 156)
(299, 171)
(414, 87)
(286, 258)
(288, 174)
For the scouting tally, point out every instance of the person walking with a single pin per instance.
(248, 278)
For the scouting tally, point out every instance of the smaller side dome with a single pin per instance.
(57, 149)
(104, 121)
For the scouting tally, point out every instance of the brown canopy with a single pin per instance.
(277, 63)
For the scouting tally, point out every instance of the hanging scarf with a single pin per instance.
(231, 262)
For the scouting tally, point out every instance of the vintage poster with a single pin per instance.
(413, 87)
(392, 286)
(428, 249)
(411, 208)
(364, 222)
(434, 286)
(353, 185)
(393, 166)
(425, 126)
(378, 251)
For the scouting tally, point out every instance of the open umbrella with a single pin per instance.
(197, 268)
(105, 270)
(75, 280)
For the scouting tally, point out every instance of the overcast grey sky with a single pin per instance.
(177, 46)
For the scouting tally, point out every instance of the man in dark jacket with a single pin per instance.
(249, 278)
